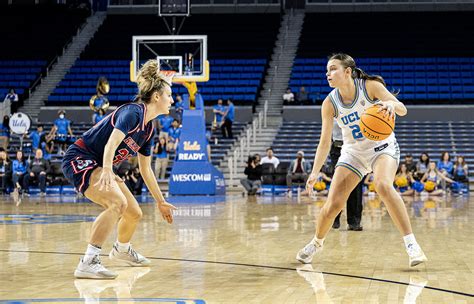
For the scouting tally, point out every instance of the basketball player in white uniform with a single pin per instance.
(354, 91)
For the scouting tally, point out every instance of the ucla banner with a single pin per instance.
(192, 172)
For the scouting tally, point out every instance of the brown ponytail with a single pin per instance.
(348, 62)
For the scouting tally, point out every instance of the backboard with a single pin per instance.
(184, 54)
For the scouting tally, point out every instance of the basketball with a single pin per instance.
(374, 125)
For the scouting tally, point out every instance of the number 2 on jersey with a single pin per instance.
(356, 132)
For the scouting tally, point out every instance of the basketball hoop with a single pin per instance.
(167, 76)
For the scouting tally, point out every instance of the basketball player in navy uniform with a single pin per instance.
(88, 165)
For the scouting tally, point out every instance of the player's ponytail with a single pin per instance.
(348, 62)
(149, 80)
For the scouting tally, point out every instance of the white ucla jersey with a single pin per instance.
(348, 118)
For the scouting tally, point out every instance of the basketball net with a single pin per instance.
(167, 76)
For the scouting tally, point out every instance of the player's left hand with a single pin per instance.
(165, 209)
(388, 107)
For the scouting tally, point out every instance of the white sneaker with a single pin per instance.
(93, 269)
(131, 257)
(416, 255)
(306, 254)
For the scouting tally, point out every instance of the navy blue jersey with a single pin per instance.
(128, 118)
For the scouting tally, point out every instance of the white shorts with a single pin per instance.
(361, 163)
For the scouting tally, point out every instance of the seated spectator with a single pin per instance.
(270, 158)
(433, 175)
(134, 181)
(10, 103)
(164, 125)
(5, 133)
(422, 166)
(20, 168)
(5, 171)
(174, 134)
(161, 158)
(35, 137)
(47, 145)
(219, 110)
(37, 171)
(179, 107)
(98, 116)
(445, 166)
(404, 180)
(461, 171)
(258, 159)
(411, 166)
(254, 176)
(302, 96)
(288, 97)
(299, 170)
(62, 132)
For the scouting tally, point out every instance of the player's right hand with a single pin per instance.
(106, 178)
(313, 177)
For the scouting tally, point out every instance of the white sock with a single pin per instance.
(409, 239)
(123, 247)
(91, 252)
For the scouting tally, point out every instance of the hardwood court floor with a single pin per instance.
(242, 251)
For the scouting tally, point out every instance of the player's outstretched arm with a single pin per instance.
(144, 163)
(327, 115)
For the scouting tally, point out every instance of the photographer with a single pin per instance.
(254, 176)
(134, 181)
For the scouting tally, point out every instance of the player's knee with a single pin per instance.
(334, 207)
(383, 187)
(135, 214)
(118, 205)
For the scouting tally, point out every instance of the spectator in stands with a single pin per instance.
(5, 171)
(270, 159)
(10, 103)
(5, 132)
(164, 125)
(435, 176)
(228, 120)
(47, 145)
(20, 167)
(134, 180)
(445, 166)
(161, 158)
(461, 171)
(298, 170)
(35, 137)
(254, 176)
(37, 171)
(174, 134)
(422, 166)
(98, 116)
(62, 131)
(179, 107)
(258, 159)
(302, 96)
(219, 110)
(288, 97)
(411, 166)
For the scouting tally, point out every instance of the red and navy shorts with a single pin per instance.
(78, 165)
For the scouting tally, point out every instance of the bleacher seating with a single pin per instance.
(422, 78)
(238, 79)
(30, 46)
(413, 138)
